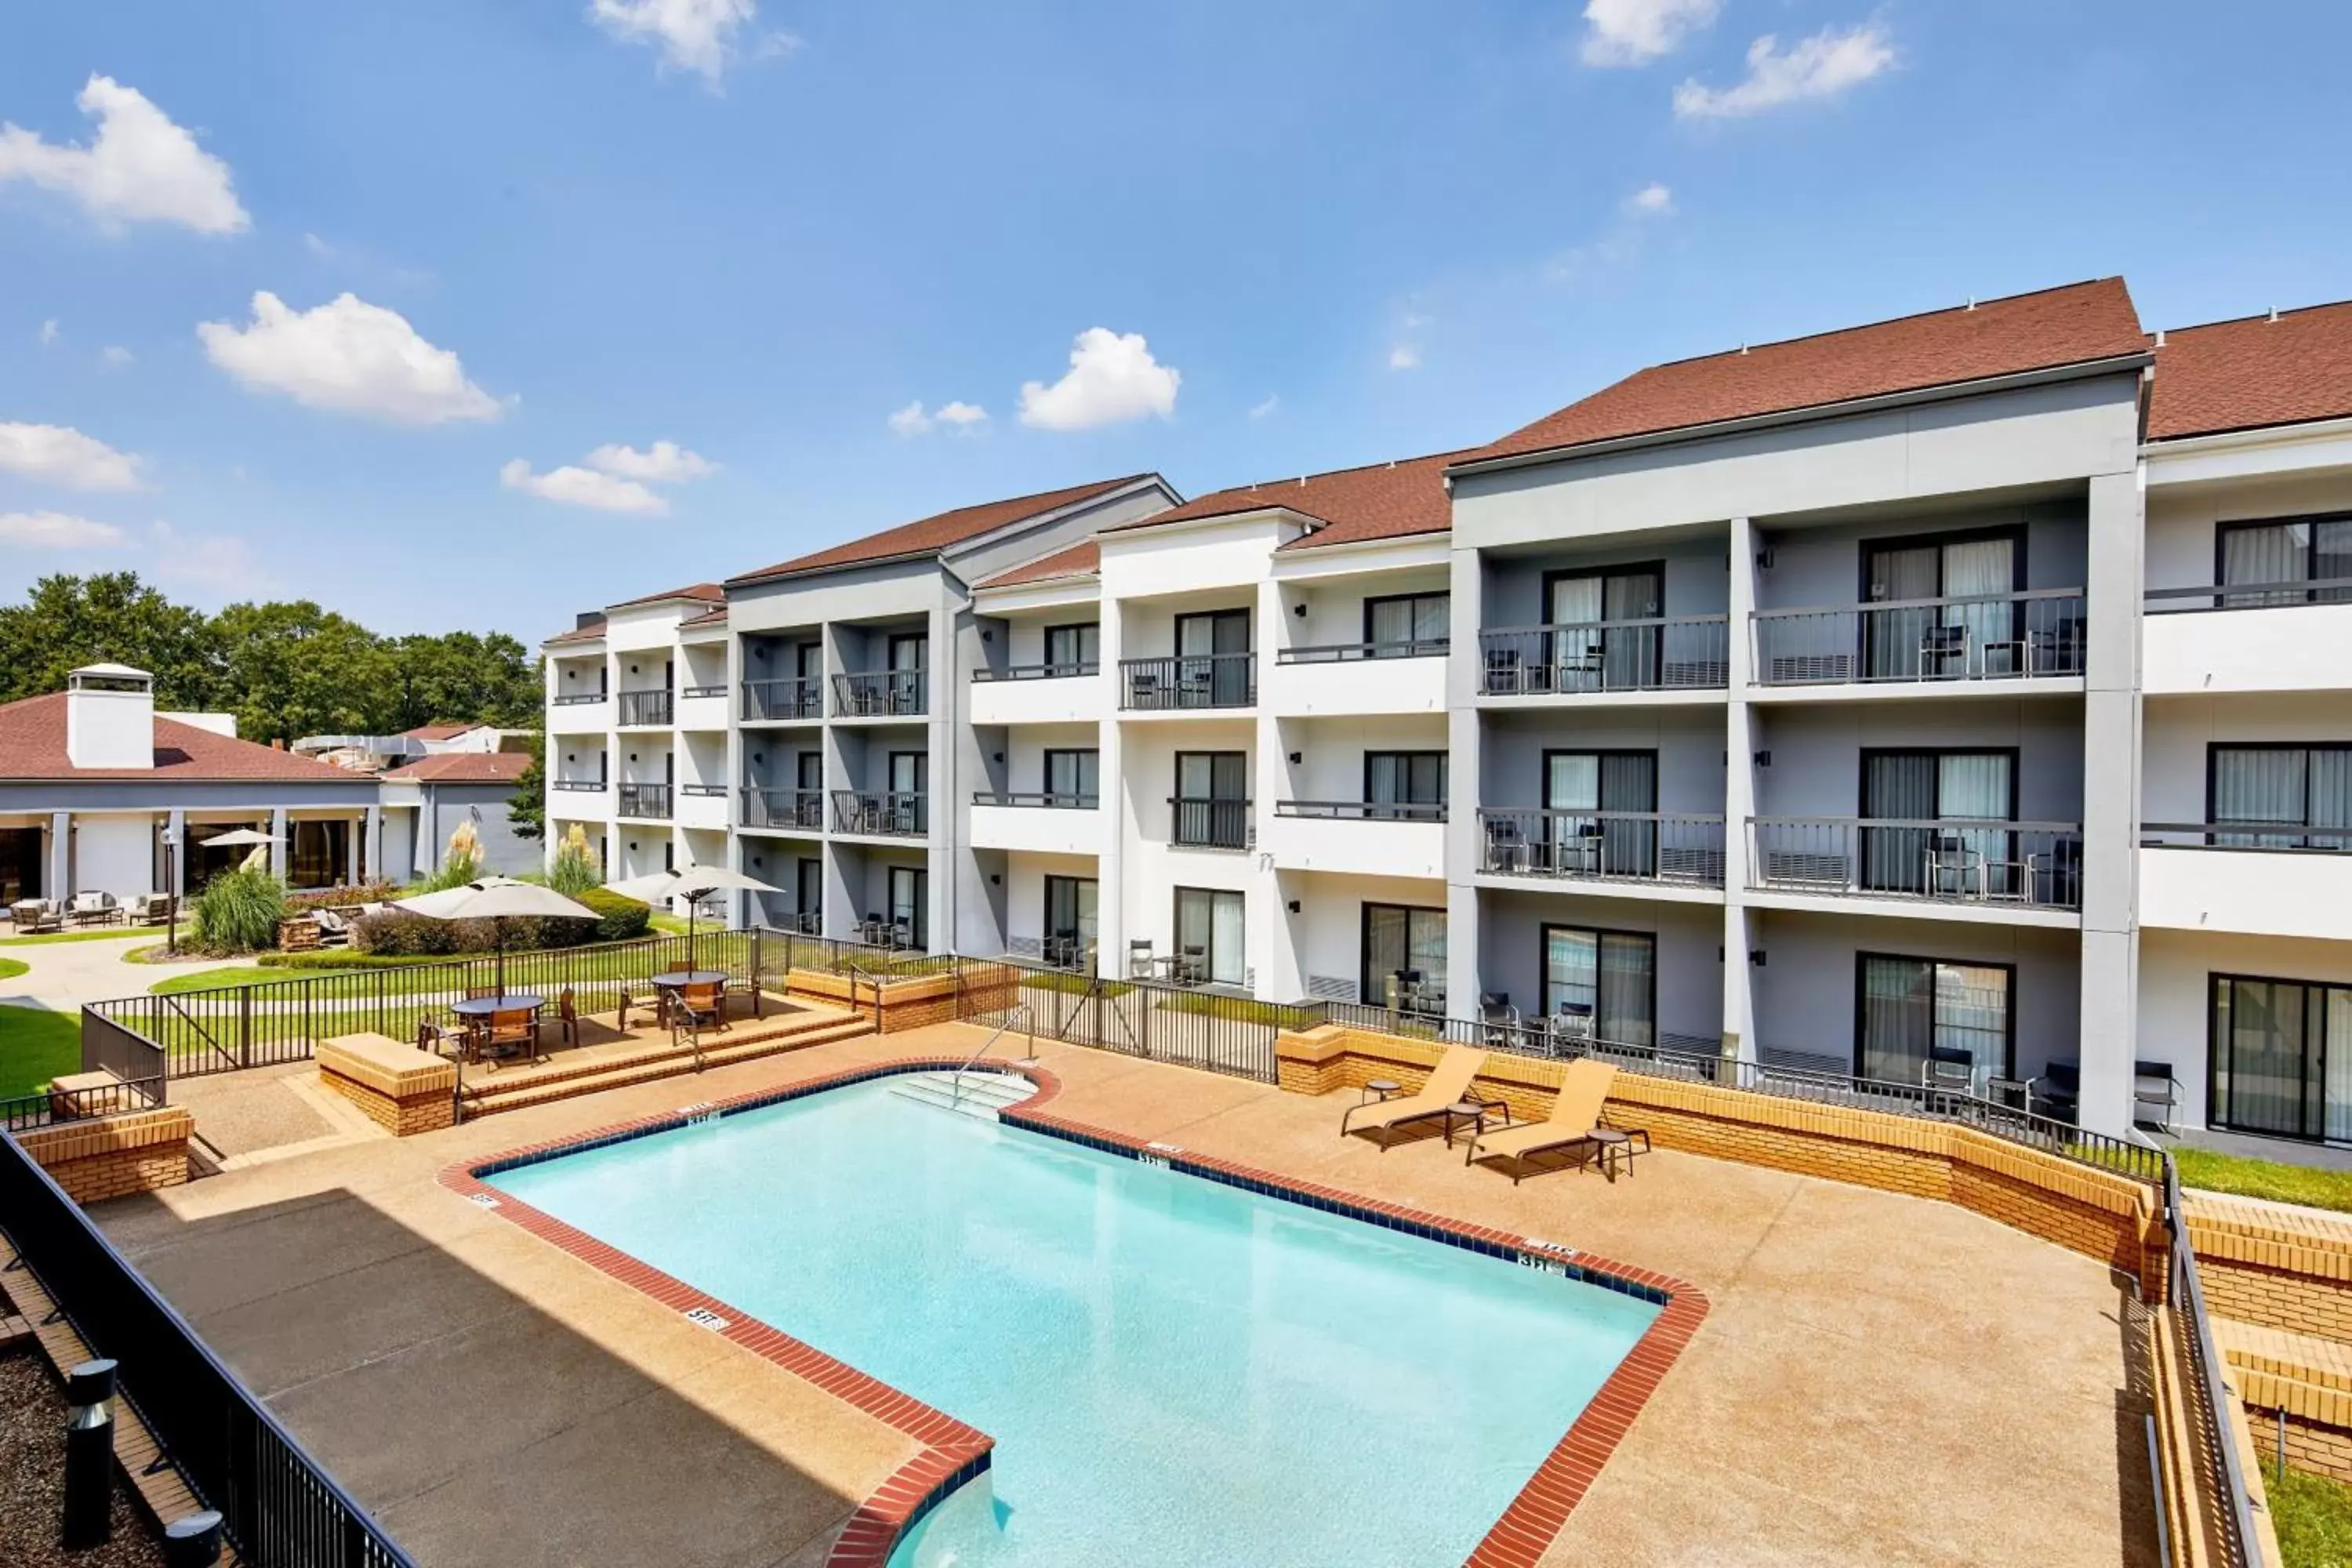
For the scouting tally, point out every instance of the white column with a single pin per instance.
(284, 834)
(1739, 1040)
(1463, 978)
(375, 866)
(1272, 952)
(60, 855)
(2110, 752)
(1110, 879)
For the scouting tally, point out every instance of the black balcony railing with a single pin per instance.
(1674, 653)
(645, 800)
(802, 808)
(1053, 800)
(1987, 637)
(1188, 680)
(1349, 652)
(1945, 860)
(1066, 670)
(880, 693)
(647, 707)
(1209, 823)
(1603, 845)
(784, 697)
(584, 786)
(2249, 595)
(702, 789)
(575, 699)
(719, 689)
(883, 814)
(2285, 838)
(1364, 810)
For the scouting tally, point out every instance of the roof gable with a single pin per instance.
(941, 530)
(2261, 371)
(1394, 499)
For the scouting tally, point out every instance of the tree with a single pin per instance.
(108, 617)
(296, 669)
(527, 807)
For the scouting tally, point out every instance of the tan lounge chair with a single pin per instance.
(1449, 1081)
(1575, 1113)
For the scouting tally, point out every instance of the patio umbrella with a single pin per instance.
(690, 883)
(238, 837)
(496, 899)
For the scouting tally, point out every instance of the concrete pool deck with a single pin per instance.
(1881, 1378)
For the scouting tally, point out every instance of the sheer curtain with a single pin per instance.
(1571, 971)
(1973, 1016)
(1981, 566)
(2328, 796)
(1977, 785)
(1897, 786)
(1630, 654)
(2266, 552)
(1891, 636)
(1576, 655)
(1628, 990)
(2259, 1027)
(1629, 782)
(1898, 1018)
(2337, 1118)
(2258, 784)
(1226, 965)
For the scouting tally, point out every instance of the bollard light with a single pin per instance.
(193, 1541)
(90, 1457)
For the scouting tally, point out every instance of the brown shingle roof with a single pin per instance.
(464, 767)
(717, 617)
(437, 731)
(32, 746)
(2075, 325)
(931, 534)
(1379, 501)
(1082, 559)
(2241, 375)
(588, 633)
(710, 593)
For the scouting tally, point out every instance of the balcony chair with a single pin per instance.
(1568, 1030)
(1940, 644)
(1581, 853)
(1505, 673)
(1949, 1069)
(1142, 688)
(1139, 962)
(1507, 848)
(1954, 868)
(2056, 1092)
(1192, 966)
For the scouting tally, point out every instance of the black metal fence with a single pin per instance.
(1188, 680)
(2212, 1397)
(279, 1510)
(1148, 1018)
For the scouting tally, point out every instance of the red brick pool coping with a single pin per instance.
(954, 1451)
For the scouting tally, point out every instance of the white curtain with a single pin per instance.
(2258, 784)
(2275, 552)
(1571, 969)
(1973, 1016)
(1981, 566)
(1225, 959)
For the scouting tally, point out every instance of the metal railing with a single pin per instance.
(2248, 596)
(278, 1508)
(785, 697)
(51, 1107)
(1055, 800)
(1665, 653)
(579, 787)
(1603, 846)
(1209, 823)
(1945, 860)
(886, 814)
(702, 789)
(1977, 636)
(1188, 681)
(577, 699)
(880, 693)
(2291, 837)
(645, 800)
(1364, 810)
(716, 690)
(1066, 669)
(2213, 1397)
(1349, 652)
(1154, 1019)
(1019, 1018)
(647, 707)
(802, 808)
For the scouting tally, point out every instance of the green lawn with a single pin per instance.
(103, 933)
(2264, 1179)
(2313, 1516)
(36, 1045)
(237, 974)
(12, 967)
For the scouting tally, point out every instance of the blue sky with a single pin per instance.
(1343, 232)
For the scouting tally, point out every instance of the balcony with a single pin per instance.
(2031, 635)
(646, 709)
(1661, 849)
(1188, 682)
(702, 806)
(580, 714)
(1958, 862)
(881, 814)
(2257, 637)
(2247, 879)
(1039, 822)
(1359, 679)
(880, 694)
(782, 701)
(1201, 823)
(1036, 694)
(578, 797)
(702, 707)
(651, 801)
(797, 810)
(1674, 653)
(1370, 838)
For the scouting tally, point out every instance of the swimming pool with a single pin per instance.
(1174, 1370)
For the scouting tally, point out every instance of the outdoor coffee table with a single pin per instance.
(1378, 1089)
(1617, 1147)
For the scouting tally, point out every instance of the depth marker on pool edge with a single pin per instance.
(703, 1317)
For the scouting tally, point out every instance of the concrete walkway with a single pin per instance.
(62, 975)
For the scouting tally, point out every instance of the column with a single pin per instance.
(375, 866)
(1739, 1041)
(284, 834)
(1463, 978)
(1271, 946)
(1110, 880)
(61, 856)
(354, 836)
(176, 826)
(2110, 754)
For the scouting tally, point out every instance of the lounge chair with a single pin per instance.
(1448, 1081)
(1575, 1113)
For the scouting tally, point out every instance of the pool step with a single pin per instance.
(982, 1094)
(627, 1072)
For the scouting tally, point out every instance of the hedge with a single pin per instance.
(396, 934)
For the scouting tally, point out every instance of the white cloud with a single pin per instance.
(56, 531)
(48, 331)
(115, 354)
(1651, 200)
(221, 562)
(1404, 356)
(1635, 32)
(1260, 410)
(140, 168)
(317, 247)
(350, 356)
(1823, 66)
(570, 486)
(1112, 377)
(699, 35)
(910, 420)
(916, 420)
(963, 415)
(59, 455)
(663, 463)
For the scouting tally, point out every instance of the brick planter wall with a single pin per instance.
(402, 1089)
(110, 1156)
(912, 1003)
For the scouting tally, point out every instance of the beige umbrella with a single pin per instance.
(689, 882)
(496, 899)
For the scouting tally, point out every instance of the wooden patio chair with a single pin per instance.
(510, 1027)
(567, 1016)
(704, 1003)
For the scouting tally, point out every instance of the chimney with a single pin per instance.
(109, 717)
(278, 744)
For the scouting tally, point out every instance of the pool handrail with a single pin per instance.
(1020, 1014)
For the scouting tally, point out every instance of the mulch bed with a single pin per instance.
(32, 1478)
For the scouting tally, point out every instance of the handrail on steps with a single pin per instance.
(1021, 1016)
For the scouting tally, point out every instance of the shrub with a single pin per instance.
(396, 934)
(337, 898)
(573, 872)
(237, 911)
(618, 919)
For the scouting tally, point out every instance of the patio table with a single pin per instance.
(483, 1007)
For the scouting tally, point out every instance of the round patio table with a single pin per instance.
(679, 978)
(483, 1007)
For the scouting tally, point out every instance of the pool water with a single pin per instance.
(1175, 1371)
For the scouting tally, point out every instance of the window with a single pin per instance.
(315, 853)
(1209, 934)
(1401, 624)
(1073, 650)
(1923, 640)
(809, 892)
(1586, 653)
(2276, 785)
(1405, 785)
(1582, 789)
(1069, 918)
(1939, 786)
(1410, 944)
(2282, 1052)
(1906, 1006)
(1209, 674)
(1609, 977)
(2292, 550)
(907, 808)
(1072, 777)
(1210, 804)
(909, 917)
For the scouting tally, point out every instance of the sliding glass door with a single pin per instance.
(1070, 903)
(1209, 933)
(1609, 977)
(1591, 652)
(1580, 781)
(1945, 788)
(1209, 646)
(1405, 785)
(2281, 788)
(1409, 943)
(910, 911)
(2282, 1057)
(1906, 1006)
(1926, 640)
